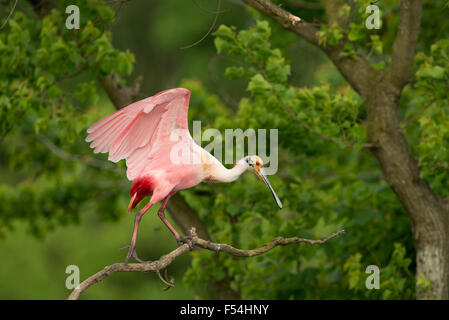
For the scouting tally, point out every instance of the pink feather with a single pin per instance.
(135, 132)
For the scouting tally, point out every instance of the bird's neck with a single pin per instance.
(222, 174)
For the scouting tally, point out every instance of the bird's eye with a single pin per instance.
(250, 163)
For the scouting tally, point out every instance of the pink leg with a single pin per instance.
(161, 215)
(132, 246)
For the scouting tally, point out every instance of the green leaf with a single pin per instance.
(54, 92)
(258, 84)
(434, 72)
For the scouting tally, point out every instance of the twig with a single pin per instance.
(169, 284)
(210, 29)
(164, 261)
(209, 11)
(10, 14)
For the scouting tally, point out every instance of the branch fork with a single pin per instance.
(164, 261)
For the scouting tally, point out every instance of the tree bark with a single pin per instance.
(427, 211)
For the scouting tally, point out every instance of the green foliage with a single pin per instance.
(331, 35)
(48, 82)
(327, 113)
(324, 187)
(53, 203)
(38, 60)
(432, 76)
(396, 281)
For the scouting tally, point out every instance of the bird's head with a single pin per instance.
(255, 164)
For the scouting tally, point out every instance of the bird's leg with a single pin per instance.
(132, 246)
(161, 215)
(178, 237)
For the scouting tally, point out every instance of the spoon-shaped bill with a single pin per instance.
(264, 178)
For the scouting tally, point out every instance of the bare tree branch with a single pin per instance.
(285, 19)
(166, 260)
(10, 14)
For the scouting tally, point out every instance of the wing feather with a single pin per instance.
(137, 131)
(104, 139)
(105, 127)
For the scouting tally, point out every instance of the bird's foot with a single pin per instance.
(186, 239)
(131, 253)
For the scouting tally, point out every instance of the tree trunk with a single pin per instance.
(428, 212)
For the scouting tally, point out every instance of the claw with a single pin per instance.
(131, 253)
(186, 239)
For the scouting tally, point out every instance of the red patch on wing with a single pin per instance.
(142, 187)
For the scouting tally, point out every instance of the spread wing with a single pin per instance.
(141, 129)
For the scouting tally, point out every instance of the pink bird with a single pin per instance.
(161, 156)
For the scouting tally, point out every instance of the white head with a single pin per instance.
(255, 164)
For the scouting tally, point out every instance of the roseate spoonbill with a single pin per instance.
(147, 133)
